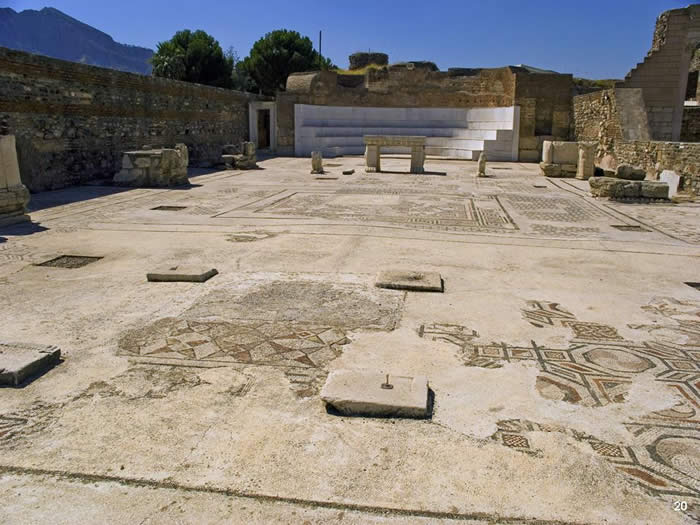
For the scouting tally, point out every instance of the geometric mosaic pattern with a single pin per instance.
(544, 313)
(302, 350)
(439, 212)
(555, 209)
(593, 331)
(597, 368)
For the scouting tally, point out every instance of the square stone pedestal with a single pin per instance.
(20, 361)
(367, 393)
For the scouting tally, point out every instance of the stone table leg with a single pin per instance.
(417, 159)
(372, 158)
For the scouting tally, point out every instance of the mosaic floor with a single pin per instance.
(563, 355)
(598, 368)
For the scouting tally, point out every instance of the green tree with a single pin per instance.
(193, 57)
(240, 79)
(279, 54)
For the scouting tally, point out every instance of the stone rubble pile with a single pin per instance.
(160, 168)
(241, 157)
(628, 184)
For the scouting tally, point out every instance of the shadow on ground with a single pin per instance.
(22, 228)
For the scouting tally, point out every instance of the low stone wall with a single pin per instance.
(681, 157)
(613, 122)
(73, 121)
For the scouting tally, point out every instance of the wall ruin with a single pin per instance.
(545, 99)
(618, 126)
(663, 75)
(73, 121)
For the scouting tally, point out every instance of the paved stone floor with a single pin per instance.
(564, 355)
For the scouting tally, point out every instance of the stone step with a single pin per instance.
(458, 133)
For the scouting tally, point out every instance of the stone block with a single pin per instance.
(20, 361)
(527, 155)
(367, 393)
(182, 273)
(165, 167)
(528, 143)
(481, 165)
(547, 152)
(627, 172)
(249, 150)
(412, 281)
(372, 158)
(142, 162)
(550, 170)
(652, 189)
(316, 162)
(603, 186)
(586, 160)
(628, 189)
(9, 166)
(568, 170)
(14, 196)
(564, 152)
(672, 179)
(13, 205)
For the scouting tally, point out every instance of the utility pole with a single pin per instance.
(320, 49)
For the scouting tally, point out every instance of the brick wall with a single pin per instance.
(545, 100)
(72, 121)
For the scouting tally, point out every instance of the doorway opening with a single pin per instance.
(263, 129)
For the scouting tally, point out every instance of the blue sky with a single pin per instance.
(594, 39)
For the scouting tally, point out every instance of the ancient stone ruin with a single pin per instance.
(160, 168)
(627, 183)
(425, 330)
(240, 157)
(13, 194)
(568, 159)
(316, 162)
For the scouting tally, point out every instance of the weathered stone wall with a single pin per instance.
(596, 118)
(663, 75)
(690, 131)
(73, 121)
(545, 110)
(681, 157)
(362, 59)
(545, 99)
(600, 117)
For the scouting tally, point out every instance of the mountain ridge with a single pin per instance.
(53, 33)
